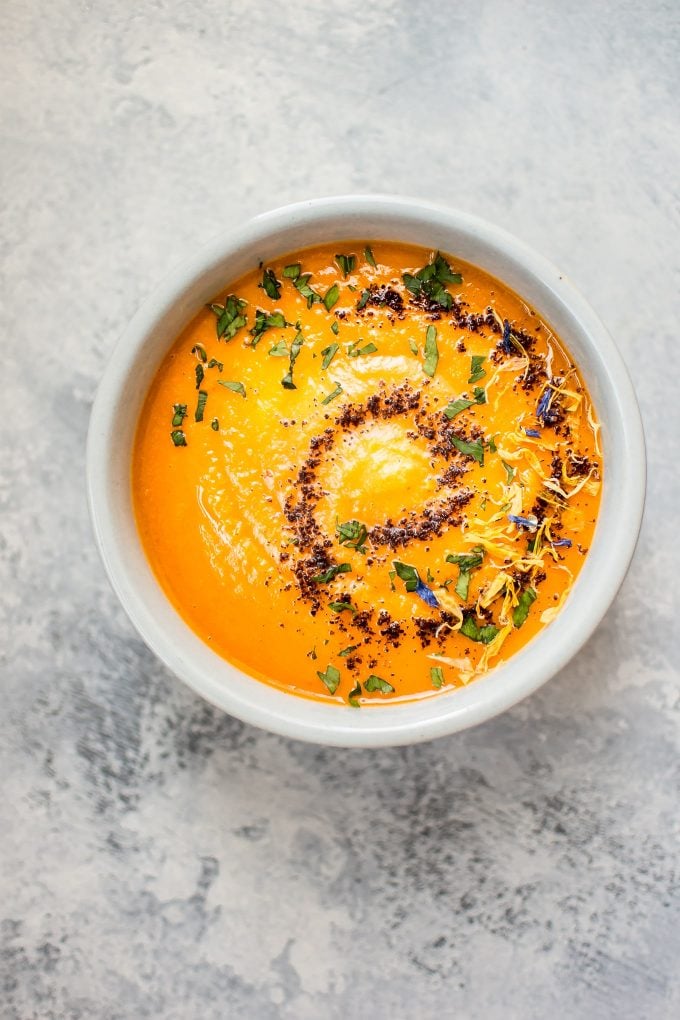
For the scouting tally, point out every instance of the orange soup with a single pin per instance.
(367, 473)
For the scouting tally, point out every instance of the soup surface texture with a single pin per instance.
(367, 473)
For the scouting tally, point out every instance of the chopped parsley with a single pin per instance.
(200, 407)
(287, 381)
(340, 607)
(328, 575)
(521, 610)
(265, 321)
(331, 678)
(437, 677)
(237, 387)
(411, 578)
(413, 345)
(335, 328)
(302, 285)
(376, 683)
(429, 283)
(462, 404)
(178, 437)
(279, 350)
(466, 563)
(199, 375)
(474, 448)
(353, 696)
(333, 394)
(356, 352)
(199, 351)
(472, 630)
(476, 370)
(271, 285)
(346, 263)
(229, 316)
(331, 296)
(369, 256)
(292, 271)
(329, 353)
(214, 363)
(353, 535)
(348, 651)
(179, 414)
(215, 425)
(363, 300)
(431, 352)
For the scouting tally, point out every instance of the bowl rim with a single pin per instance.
(264, 705)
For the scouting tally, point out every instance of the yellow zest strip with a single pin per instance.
(494, 589)
(595, 426)
(464, 664)
(490, 652)
(448, 603)
(548, 615)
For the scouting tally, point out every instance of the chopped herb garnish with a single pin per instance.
(179, 413)
(230, 317)
(340, 607)
(328, 575)
(474, 448)
(353, 534)
(302, 285)
(347, 651)
(431, 352)
(429, 576)
(476, 370)
(331, 678)
(346, 263)
(331, 296)
(437, 677)
(353, 696)
(479, 395)
(200, 407)
(263, 322)
(462, 404)
(199, 351)
(357, 352)
(521, 610)
(472, 630)
(215, 425)
(271, 285)
(369, 256)
(492, 445)
(214, 363)
(237, 387)
(530, 522)
(333, 394)
(199, 375)
(279, 350)
(335, 328)
(363, 300)
(392, 574)
(466, 563)
(429, 282)
(413, 345)
(509, 470)
(411, 578)
(329, 353)
(376, 683)
(293, 271)
(287, 381)
(178, 437)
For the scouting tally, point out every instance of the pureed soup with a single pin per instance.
(367, 473)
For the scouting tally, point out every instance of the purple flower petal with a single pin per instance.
(566, 542)
(524, 522)
(426, 594)
(506, 343)
(534, 433)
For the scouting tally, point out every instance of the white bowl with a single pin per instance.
(371, 218)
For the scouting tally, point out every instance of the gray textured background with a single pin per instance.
(160, 859)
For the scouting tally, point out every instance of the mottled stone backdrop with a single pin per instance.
(160, 859)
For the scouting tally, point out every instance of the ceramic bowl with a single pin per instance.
(371, 218)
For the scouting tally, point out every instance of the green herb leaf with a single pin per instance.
(333, 394)
(279, 350)
(414, 346)
(480, 395)
(363, 300)
(466, 563)
(474, 448)
(352, 534)
(368, 255)
(179, 413)
(287, 381)
(392, 574)
(346, 263)
(331, 678)
(329, 353)
(471, 630)
(328, 575)
(230, 317)
(237, 387)
(509, 470)
(271, 285)
(302, 285)
(437, 677)
(292, 271)
(431, 352)
(429, 282)
(199, 375)
(456, 406)
(264, 321)
(347, 651)
(331, 296)
(408, 574)
(335, 328)
(476, 370)
(214, 363)
(353, 696)
(357, 352)
(521, 610)
(340, 607)
(215, 425)
(376, 683)
(199, 351)
(178, 437)
(200, 407)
